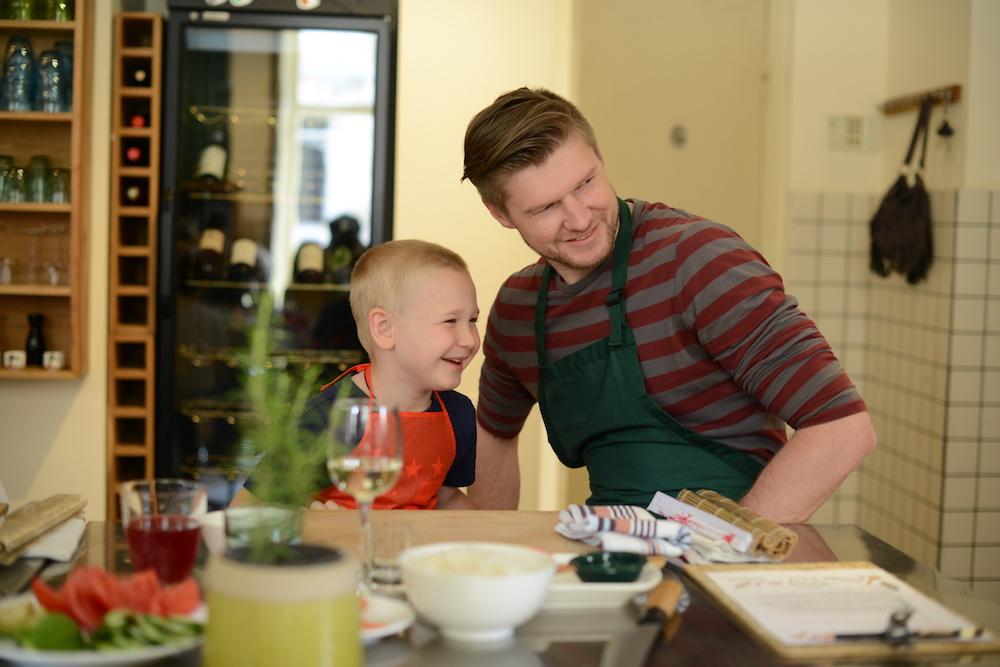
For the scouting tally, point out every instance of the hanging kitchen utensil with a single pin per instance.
(901, 238)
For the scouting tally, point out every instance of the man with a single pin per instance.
(661, 348)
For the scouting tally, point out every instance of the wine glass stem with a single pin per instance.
(365, 546)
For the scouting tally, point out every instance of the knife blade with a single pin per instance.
(15, 578)
(635, 648)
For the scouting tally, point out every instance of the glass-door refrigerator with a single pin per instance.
(276, 173)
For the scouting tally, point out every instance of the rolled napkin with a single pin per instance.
(770, 540)
(623, 528)
(29, 522)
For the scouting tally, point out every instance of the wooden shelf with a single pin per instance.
(36, 208)
(132, 261)
(61, 230)
(37, 290)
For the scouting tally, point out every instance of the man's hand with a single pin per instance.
(451, 498)
(327, 505)
(498, 477)
(809, 468)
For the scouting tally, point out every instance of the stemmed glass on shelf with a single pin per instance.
(365, 460)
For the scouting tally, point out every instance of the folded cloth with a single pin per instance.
(27, 523)
(58, 544)
(623, 528)
(769, 539)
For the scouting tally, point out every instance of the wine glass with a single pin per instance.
(365, 460)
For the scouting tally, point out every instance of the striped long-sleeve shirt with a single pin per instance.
(722, 348)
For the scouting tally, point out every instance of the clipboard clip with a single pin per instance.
(897, 633)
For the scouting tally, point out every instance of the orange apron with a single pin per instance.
(428, 452)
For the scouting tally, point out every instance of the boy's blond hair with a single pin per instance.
(384, 277)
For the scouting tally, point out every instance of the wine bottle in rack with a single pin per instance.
(135, 192)
(207, 263)
(137, 75)
(212, 164)
(244, 264)
(309, 265)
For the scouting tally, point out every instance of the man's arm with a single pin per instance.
(498, 477)
(809, 468)
(450, 498)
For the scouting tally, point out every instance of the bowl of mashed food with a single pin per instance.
(476, 591)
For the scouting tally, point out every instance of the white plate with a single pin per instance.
(569, 592)
(384, 616)
(123, 658)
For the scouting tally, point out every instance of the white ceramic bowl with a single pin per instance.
(476, 591)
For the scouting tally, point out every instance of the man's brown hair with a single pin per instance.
(522, 128)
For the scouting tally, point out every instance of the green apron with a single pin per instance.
(597, 413)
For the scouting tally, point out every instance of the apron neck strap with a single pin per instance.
(616, 298)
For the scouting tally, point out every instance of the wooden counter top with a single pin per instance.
(341, 528)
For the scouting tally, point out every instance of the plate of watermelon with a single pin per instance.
(97, 618)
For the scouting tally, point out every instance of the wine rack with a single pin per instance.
(45, 244)
(132, 262)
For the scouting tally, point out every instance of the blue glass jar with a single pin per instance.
(50, 94)
(18, 75)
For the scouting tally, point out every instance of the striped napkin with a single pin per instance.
(625, 528)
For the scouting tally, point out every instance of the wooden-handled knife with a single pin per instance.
(655, 624)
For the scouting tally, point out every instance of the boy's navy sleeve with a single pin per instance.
(463, 420)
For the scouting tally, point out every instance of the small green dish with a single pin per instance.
(608, 566)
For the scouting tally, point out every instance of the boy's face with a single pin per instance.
(436, 335)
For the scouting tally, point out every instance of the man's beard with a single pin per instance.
(611, 231)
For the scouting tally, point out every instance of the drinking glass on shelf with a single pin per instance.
(162, 527)
(60, 189)
(6, 271)
(37, 180)
(13, 186)
(365, 460)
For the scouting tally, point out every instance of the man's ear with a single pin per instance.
(380, 328)
(501, 218)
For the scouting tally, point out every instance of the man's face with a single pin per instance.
(565, 209)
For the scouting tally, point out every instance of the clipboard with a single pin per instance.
(803, 611)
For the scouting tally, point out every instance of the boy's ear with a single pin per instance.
(501, 218)
(380, 328)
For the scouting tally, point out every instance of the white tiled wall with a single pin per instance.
(927, 361)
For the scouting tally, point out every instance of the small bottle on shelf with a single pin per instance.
(309, 265)
(243, 262)
(34, 347)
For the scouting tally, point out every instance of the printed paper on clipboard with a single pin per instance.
(836, 609)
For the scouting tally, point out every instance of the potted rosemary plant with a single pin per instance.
(274, 600)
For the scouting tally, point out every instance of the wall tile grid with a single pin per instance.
(927, 361)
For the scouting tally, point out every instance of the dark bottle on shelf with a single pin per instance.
(244, 266)
(208, 261)
(309, 264)
(35, 346)
(345, 249)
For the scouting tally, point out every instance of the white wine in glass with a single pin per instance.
(365, 460)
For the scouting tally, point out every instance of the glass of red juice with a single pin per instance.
(161, 518)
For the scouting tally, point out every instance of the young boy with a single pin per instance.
(415, 308)
(414, 304)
